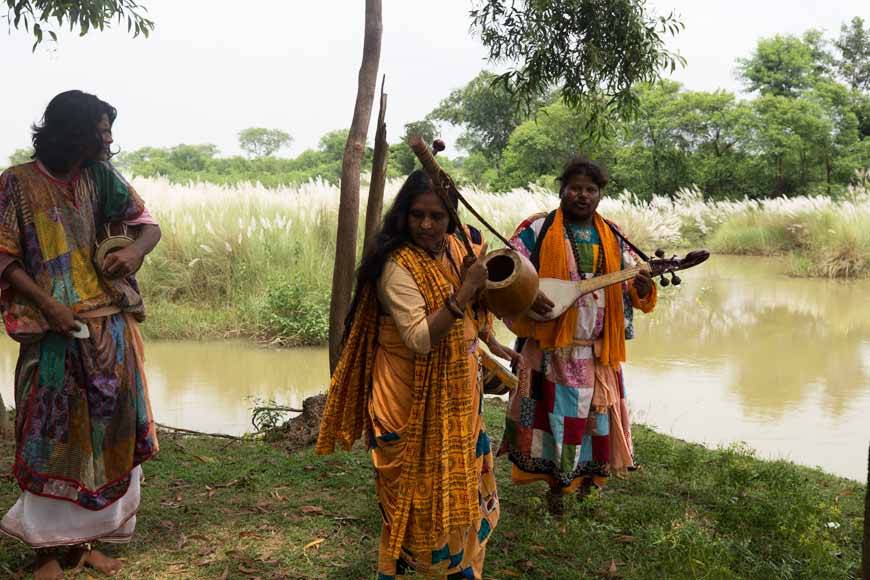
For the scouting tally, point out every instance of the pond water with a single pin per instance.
(739, 353)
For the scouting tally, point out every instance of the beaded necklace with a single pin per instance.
(572, 237)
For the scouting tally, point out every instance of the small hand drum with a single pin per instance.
(497, 379)
(112, 238)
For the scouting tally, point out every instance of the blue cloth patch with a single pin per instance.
(557, 427)
(382, 576)
(483, 446)
(567, 401)
(440, 555)
(387, 437)
(485, 529)
(527, 237)
(602, 425)
(586, 449)
(456, 560)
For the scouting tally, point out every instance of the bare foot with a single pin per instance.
(47, 567)
(100, 562)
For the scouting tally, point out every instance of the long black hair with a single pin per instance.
(68, 131)
(392, 235)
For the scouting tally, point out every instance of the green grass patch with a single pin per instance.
(211, 506)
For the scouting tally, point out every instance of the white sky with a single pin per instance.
(214, 67)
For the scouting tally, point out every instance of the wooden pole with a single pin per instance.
(375, 205)
(348, 209)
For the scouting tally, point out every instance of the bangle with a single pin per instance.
(453, 307)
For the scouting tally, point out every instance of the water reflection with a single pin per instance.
(774, 339)
(743, 352)
(740, 352)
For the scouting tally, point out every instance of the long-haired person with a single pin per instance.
(83, 419)
(409, 376)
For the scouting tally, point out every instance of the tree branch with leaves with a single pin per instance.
(43, 17)
(592, 51)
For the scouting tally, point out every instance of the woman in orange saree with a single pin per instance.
(409, 376)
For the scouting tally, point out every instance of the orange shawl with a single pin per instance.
(438, 478)
(554, 263)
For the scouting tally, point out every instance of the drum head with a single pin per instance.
(106, 247)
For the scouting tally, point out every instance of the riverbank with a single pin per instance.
(242, 510)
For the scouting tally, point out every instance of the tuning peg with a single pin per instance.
(665, 282)
(676, 280)
(660, 253)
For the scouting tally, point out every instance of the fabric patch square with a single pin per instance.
(527, 412)
(543, 445)
(52, 360)
(456, 559)
(569, 458)
(84, 275)
(566, 401)
(542, 417)
(387, 437)
(601, 425)
(575, 427)
(601, 449)
(52, 236)
(537, 384)
(586, 449)
(523, 438)
(557, 427)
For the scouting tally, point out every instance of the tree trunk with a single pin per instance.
(375, 205)
(866, 566)
(4, 419)
(348, 210)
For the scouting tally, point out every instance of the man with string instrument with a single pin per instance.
(567, 422)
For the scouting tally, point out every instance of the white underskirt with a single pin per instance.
(43, 522)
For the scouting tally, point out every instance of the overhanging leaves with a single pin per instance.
(36, 16)
(591, 51)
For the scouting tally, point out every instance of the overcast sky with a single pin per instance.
(214, 67)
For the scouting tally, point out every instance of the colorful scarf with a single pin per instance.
(438, 477)
(554, 263)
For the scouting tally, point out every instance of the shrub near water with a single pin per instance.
(256, 262)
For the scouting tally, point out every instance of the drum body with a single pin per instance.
(512, 282)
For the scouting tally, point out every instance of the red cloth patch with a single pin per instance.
(574, 429)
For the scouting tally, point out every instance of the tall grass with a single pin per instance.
(257, 262)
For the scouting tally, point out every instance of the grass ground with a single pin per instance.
(214, 509)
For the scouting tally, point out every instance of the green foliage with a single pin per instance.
(185, 163)
(541, 146)
(36, 16)
(260, 142)
(487, 112)
(854, 48)
(295, 315)
(19, 156)
(401, 160)
(785, 65)
(577, 46)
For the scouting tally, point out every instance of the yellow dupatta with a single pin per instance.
(438, 479)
